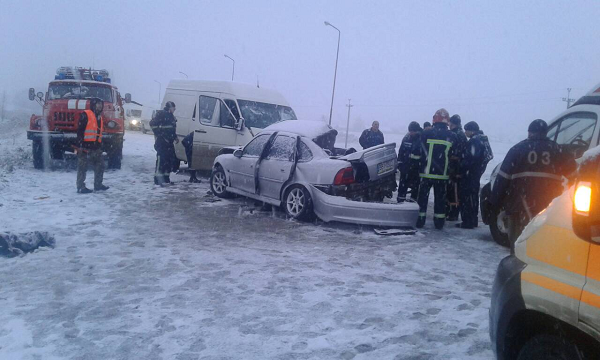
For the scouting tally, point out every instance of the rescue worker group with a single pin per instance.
(441, 156)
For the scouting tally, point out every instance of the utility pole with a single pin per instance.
(568, 98)
(348, 124)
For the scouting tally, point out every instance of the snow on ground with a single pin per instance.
(143, 272)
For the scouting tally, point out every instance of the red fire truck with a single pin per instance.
(55, 131)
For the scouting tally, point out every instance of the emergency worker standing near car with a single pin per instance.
(164, 127)
(408, 162)
(89, 135)
(530, 176)
(453, 169)
(436, 149)
(371, 137)
(477, 154)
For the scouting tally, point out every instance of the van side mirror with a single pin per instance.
(127, 98)
(238, 153)
(40, 95)
(31, 94)
(586, 202)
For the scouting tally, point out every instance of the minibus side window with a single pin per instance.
(207, 109)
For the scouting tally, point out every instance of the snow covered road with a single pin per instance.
(142, 272)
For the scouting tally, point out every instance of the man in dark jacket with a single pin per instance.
(188, 145)
(371, 137)
(453, 168)
(164, 127)
(436, 149)
(477, 154)
(426, 125)
(408, 162)
(89, 136)
(530, 176)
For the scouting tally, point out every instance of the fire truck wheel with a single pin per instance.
(38, 154)
(114, 157)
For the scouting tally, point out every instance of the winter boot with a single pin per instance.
(464, 225)
(101, 188)
(84, 190)
(420, 222)
(439, 223)
(195, 180)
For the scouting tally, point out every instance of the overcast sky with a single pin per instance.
(501, 63)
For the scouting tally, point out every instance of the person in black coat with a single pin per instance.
(164, 127)
(436, 149)
(530, 176)
(371, 137)
(188, 145)
(476, 155)
(454, 168)
(408, 162)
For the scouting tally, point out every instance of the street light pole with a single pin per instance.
(186, 76)
(336, 64)
(233, 69)
(159, 89)
(347, 124)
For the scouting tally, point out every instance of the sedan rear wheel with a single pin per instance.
(298, 203)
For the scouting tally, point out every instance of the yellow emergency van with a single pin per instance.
(546, 296)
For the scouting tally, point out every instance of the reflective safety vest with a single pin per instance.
(91, 130)
(444, 147)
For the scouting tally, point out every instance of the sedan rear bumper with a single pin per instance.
(337, 208)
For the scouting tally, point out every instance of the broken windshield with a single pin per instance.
(79, 91)
(260, 115)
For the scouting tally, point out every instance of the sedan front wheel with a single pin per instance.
(218, 183)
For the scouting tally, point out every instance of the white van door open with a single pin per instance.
(216, 123)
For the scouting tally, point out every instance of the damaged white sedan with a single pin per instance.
(294, 164)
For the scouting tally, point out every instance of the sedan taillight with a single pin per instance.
(344, 177)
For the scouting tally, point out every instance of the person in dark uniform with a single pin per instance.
(188, 145)
(453, 169)
(436, 149)
(426, 125)
(371, 137)
(164, 127)
(530, 176)
(408, 162)
(477, 154)
(89, 136)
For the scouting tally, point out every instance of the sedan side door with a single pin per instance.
(242, 171)
(276, 167)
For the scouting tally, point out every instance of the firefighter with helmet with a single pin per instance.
(164, 127)
(436, 148)
(89, 136)
(530, 176)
